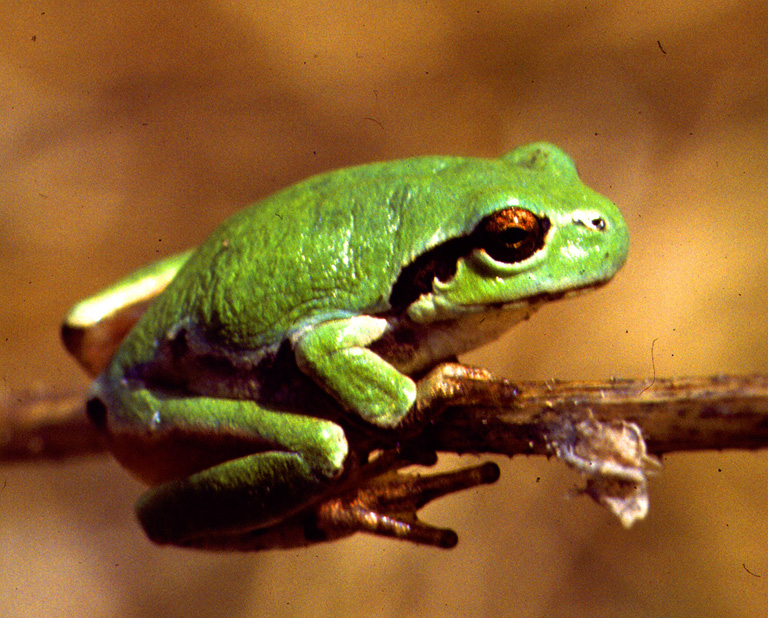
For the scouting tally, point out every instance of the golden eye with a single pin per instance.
(511, 235)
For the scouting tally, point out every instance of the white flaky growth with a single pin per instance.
(613, 457)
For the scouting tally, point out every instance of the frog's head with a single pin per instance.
(545, 237)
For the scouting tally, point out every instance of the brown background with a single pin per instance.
(129, 130)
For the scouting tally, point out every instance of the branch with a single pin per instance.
(484, 415)
(606, 430)
(682, 414)
(45, 424)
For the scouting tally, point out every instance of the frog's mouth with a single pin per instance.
(536, 300)
(546, 297)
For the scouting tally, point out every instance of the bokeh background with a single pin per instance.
(129, 130)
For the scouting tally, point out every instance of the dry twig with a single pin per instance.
(682, 414)
(606, 430)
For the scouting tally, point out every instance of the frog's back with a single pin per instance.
(328, 247)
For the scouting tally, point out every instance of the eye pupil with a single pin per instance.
(513, 236)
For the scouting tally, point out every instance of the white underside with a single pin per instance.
(448, 338)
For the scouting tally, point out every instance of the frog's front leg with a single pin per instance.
(289, 461)
(336, 356)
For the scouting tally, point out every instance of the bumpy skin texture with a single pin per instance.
(333, 245)
(236, 390)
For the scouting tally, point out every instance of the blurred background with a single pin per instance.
(130, 130)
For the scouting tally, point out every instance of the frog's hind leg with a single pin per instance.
(217, 466)
(228, 500)
(385, 505)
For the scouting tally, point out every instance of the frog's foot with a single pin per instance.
(453, 384)
(387, 505)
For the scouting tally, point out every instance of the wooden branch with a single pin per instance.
(43, 423)
(605, 430)
(683, 414)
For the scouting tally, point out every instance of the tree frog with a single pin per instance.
(252, 381)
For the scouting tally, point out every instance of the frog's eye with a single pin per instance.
(511, 235)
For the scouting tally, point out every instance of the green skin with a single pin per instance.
(283, 351)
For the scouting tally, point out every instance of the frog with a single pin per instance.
(266, 384)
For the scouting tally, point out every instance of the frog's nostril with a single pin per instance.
(597, 224)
